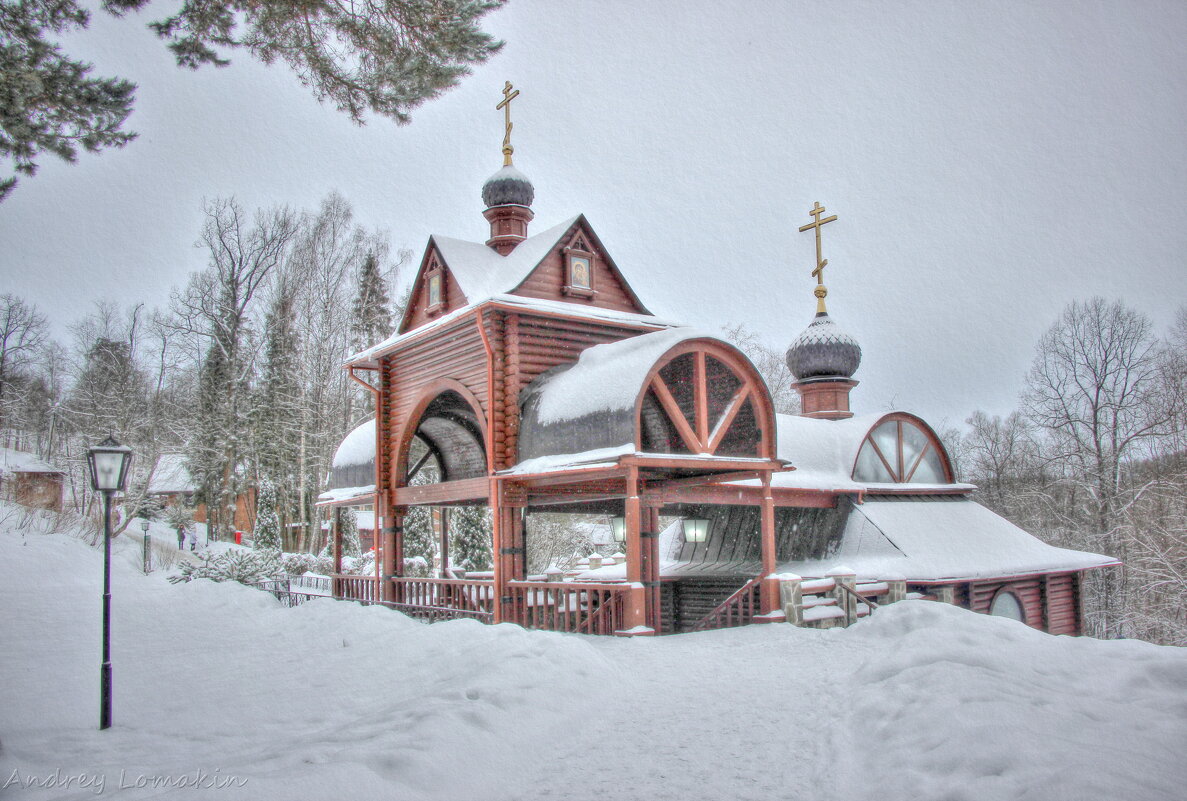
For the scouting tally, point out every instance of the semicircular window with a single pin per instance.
(1006, 604)
(897, 451)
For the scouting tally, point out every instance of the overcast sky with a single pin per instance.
(989, 162)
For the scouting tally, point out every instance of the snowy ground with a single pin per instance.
(332, 700)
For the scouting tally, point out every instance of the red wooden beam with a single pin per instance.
(467, 489)
(691, 441)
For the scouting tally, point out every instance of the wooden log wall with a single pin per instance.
(1063, 603)
(456, 353)
(547, 281)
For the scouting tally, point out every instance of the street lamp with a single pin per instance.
(147, 550)
(108, 462)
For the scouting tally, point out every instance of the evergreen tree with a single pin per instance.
(386, 57)
(470, 537)
(418, 534)
(350, 533)
(277, 413)
(372, 318)
(267, 529)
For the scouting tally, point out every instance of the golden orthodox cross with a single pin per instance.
(816, 211)
(820, 291)
(505, 104)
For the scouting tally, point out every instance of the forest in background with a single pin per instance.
(241, 372)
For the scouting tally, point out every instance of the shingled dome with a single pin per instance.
(823, 350)
(506, 187)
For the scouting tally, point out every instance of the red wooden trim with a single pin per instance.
(467, 489)
(701, 399)
(691, 441)
(407, 427)
(727, 417)
(736, 362)
(700, 462)
(563, 476)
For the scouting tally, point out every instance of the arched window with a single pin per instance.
(704, 401)
(900, 451)
(1006, 604)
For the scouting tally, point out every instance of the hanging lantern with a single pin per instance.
(696, 529)
(618, 528)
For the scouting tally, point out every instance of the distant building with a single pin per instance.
(30, 481)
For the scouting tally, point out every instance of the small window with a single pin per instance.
(1006, 604)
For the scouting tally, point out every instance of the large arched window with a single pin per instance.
(901, 450)
(704, 401)
(445, 442)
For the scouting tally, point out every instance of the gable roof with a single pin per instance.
(483, 273)
(171, 475)
(13, 461)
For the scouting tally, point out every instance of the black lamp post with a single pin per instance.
(108, 462)
(147, 549)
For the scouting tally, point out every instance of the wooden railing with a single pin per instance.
(434, 599)
(585, 608)
(364, 589)
(736, 610)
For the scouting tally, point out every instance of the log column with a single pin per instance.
(769, 588)
(635, 614)
(336, 535)
(507, 545)
(392, 554)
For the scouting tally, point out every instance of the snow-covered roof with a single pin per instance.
(171, 475)
(588, 405)
(482, 272)
(540, 305)
(344, 495)
(823, 453)
(357, 447)
(13, 461)
(934, 540)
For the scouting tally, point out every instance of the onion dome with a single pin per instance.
(506, 187)
(823, 350)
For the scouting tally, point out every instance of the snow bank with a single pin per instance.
(330, 700)
(946, 704)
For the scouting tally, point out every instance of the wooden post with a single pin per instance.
(651, 585)
(508, 547)
(391, 557)
(635, 613)
(791, 596)
(444, 541)
(336, 533)
(844, 577)
(769, 589)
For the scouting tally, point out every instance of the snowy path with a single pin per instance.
(331, 700)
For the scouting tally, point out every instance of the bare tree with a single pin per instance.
(22, 331)
(771, 365)
(217, 305)
(1095, 390)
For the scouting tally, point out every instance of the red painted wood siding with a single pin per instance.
(548, 279)
(418, 313)
(456, 352)
(1028, 591)
(1063, 604)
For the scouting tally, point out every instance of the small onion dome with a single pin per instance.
(823, 350)
(506, 187)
